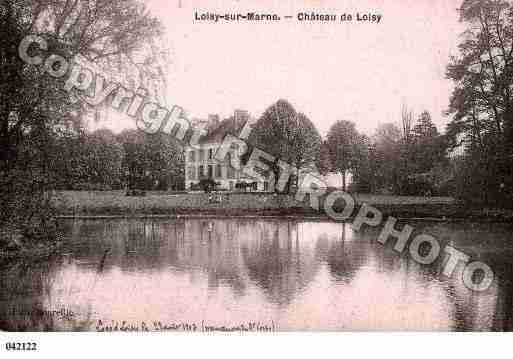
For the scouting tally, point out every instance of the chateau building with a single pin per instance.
(200, 162)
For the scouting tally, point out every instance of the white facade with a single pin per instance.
(200, 163)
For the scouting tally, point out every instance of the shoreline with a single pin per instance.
(403, 212)
(114, 204)
(269, 217)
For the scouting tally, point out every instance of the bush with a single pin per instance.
(360, 187)
(136, 192)
(208, 184)
(244, 186)
(87, 186)
(447, 188)
(415, 186)
(480, 181)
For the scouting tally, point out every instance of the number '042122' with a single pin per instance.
(20, 346)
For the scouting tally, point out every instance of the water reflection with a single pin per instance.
(298, 275)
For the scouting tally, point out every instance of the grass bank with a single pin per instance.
(115, 203)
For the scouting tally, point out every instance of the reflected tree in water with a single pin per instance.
(276, 263)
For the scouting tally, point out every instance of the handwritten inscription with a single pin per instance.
(127, 326)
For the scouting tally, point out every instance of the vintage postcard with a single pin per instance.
(255, 166)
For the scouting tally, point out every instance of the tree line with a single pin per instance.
(39, 124)
(101, 160)
(393, 161)
(407, 161)
(472, 160)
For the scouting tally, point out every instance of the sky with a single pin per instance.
(362, 72)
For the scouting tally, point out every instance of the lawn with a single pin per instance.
(116, 203)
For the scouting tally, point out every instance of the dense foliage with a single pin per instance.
(287, 135)
(482, 102)
(40, 128)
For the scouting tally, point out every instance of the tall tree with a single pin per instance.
(33, 108)
(344, 144)
(103, 159)
(482, 72)
(424, 128)
(428, 147)
(323, 161)
(482, 100)
(362, 171)
(151, 161)
(287, 135)
(166, 162)
(386, 158)
(407, 122)
(306, 143)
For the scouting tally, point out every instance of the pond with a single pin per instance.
(258, 274)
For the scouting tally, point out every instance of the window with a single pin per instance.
(202, 155)
(192, 156)
(219, 172)
(210, 171)
(201, 172)
(191, 172)
(210, 153)
(231, 172)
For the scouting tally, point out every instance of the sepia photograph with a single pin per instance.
(244, 166)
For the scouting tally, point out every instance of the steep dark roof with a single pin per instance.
(227, 126)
